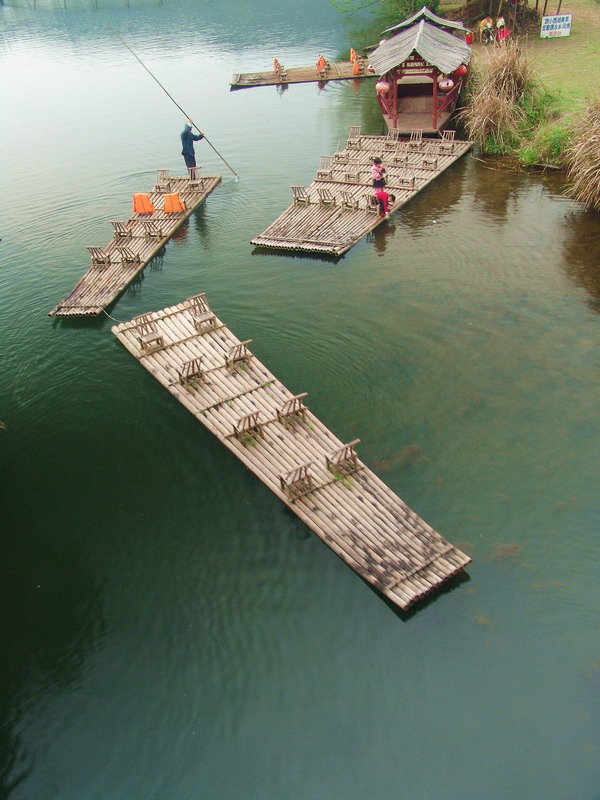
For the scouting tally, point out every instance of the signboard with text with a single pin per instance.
(557, 25)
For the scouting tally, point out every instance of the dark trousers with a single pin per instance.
(190, 161)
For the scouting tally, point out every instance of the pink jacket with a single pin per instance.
(378, 172)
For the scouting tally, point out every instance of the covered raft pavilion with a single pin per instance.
(421, 66)
(216, 377)
(135, 242)
(338, 208)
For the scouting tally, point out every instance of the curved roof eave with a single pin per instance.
(425, 12)
(435, 46)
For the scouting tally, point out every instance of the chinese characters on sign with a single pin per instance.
(557, 25)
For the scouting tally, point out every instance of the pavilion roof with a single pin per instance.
(425, 13)
(434, 45)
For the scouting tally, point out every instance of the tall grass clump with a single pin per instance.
(583, 158)
(504, 101)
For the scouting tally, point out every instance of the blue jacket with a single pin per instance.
(187, 140)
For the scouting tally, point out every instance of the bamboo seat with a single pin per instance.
(325, 172)
(344, 460)
(416, 139)
(428, 162)
(282, 73)
(297, 482)
(326, 198)
(202, 317)
(349, 201)
(391, 142)
(352, 176)
(122, 229)
(195, 179)
(341, 157)
(248, 427)
(151, 229)
(100, 258)
(447, 143)
(406, 182)
(300, 194)
(147, 333)
(292, 410)
(163, 184)
(401, 159)
(128, 256)
(191, 371)
(371, 204)
(238, 355)
(354, 137)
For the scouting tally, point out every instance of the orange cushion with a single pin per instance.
(142, 204)
(173, 203)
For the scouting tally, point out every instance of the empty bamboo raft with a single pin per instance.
(218, 379)
(334, 71)
(338, 209)
(135, 242)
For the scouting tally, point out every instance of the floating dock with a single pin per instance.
(335, 71)
(332, 214)
(320, 478)
(135, 243)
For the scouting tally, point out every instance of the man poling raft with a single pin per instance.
(202, 135)
(187, 141)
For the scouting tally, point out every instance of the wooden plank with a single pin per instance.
(100, 285)
(333, 229)
(366, 524)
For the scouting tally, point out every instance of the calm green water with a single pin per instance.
(170, 630)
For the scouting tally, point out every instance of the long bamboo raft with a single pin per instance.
(135, 243)
(334, 71)
(218, 379)
(332, 214)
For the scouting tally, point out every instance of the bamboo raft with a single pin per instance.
(338, 208)
(335, 71)
(135, 243)
(218, 379)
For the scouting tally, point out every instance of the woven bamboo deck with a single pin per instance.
(337, 71)
(337, 212)
(217, 378)
(103, 282)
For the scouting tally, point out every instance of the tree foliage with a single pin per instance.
(388, 12)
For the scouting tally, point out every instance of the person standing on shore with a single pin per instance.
(187, 140)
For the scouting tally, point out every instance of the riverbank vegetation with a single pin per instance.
(548, 127)
(509, 111)
(583, 158)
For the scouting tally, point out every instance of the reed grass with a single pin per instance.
(583, 157)
(502, 100)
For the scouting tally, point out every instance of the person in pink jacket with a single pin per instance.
(378, 173)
